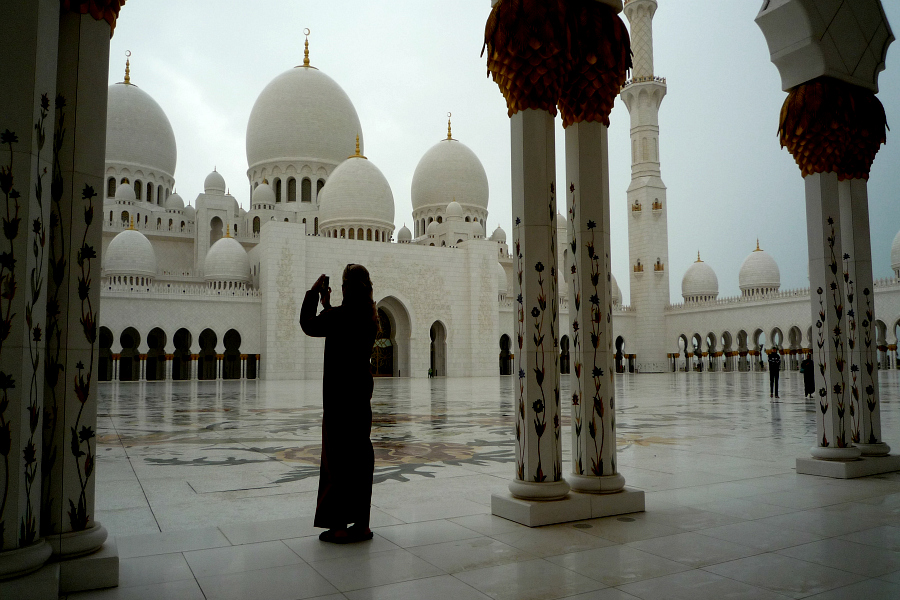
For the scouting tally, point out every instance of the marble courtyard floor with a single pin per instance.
(209, 490)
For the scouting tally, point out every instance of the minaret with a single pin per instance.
(648, 241)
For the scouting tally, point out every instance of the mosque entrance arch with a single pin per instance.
(795, 339)
(620, 354)
(206, 361)
(711, 351)
(383, 351)
(215, 230)
(505, 355)
(727, 352)
(129, 360)
(400, 332)
(231, 361)
(743, 351)
(438, 349)
(104, 361)
(156, 355)
(697, 346)
(181, 358)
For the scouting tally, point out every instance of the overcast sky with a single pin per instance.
(406, 63)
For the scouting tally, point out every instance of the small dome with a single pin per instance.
(130, 253)
(125, 193)
(759, 273)
(214, 184)
(499, 235)
(616, 292)
(304, 115)
(432, 228)
(895, 253)
(404, 235)
(454, 210)
(235, 207)
(189, 211)
(227, 260)
(477, 230)
(502, 281)
(449, 170)
(699, 282)
(356, 194)
(174, 202)
(263, 194)
(138, 132)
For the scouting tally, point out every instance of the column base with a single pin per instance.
(574, 507)
(92, 572)
(21, 561)
(40, 585)
(528, 490)
(606, 484)
(820, 453)
(863, 467)
(78, 543)
(879, 449)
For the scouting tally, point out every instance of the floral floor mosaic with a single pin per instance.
(209, 490)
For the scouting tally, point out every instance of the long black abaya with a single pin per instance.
(348, 460)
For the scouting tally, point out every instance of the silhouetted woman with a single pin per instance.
(809, 376)
(348, 461)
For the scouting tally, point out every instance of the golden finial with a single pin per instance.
(757, 246)
(357, 155)
(228, 230)
(449, 133)
(698, 256)
(132, 223)
(266, 181)
(306, 48)
(127, 67)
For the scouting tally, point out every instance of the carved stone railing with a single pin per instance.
(169, 289)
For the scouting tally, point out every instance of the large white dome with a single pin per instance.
(138, 132)
(616, 292)
(227, 260)
(303, 114)
(130, 253)
(357, 193)
(895, 253)
(699, 282)
(214, 184)
(448, 171)
(759, 273)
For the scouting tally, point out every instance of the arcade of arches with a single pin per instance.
(154, 362)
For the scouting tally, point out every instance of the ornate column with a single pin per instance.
(76, 238)
(28, 37)
(169, 358)
(143, 366)
(220, 364)
(865, 417)
(194, 373)
(531, 97)
(243, 366)
(593, 385)
(115, 362)
(833, 125)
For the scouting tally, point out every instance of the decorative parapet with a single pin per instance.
(657, 205)
(785, 295)
(636, 207)
(167, 290)
(646, 79)
(659, 267)
(638, 268)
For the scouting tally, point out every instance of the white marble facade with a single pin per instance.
(442, 276)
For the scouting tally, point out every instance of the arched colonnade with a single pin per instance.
(179, 355)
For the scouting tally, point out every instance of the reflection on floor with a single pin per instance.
(210, 489)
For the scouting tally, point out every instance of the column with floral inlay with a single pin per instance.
(28, 33)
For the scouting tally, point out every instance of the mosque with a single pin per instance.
(209, 290)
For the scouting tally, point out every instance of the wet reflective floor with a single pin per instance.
(230, 469)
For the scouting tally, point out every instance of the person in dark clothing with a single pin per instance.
(348, 459)
(774, 370)
(807, 368)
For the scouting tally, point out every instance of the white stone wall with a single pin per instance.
(456, 286)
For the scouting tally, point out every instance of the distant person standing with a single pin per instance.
(807, 368)
(774, 370)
